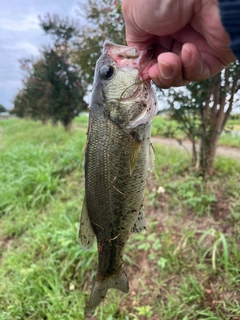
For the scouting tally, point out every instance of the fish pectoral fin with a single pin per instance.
(140, 223)
(135, 149)
(100, 288)
(86, 235)
(151, 158)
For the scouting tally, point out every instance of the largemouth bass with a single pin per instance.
(117, 159)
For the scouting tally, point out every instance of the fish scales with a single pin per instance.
(116, 194)
(116, 168)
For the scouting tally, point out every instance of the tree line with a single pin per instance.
(55, 85)
(53, 88)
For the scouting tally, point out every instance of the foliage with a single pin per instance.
(53, 88)
(185, 266)
(104, 22)
(166, 127)
(202, 110)
(2, 109)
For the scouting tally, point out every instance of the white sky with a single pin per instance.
(21, 37)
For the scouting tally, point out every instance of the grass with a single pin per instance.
(230, 139)
(81, 121)
(185, 267)
(163, 126)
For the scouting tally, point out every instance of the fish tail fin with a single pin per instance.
(100, 288)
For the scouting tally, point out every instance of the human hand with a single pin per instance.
(189, 41)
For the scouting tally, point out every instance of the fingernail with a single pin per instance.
(166, 70)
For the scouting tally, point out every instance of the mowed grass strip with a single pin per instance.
(185, 266)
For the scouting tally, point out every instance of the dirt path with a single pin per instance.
(227, 152)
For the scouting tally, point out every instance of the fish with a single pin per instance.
(118, 156)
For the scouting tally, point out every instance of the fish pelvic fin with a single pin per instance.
(86, 235)
(151, 158)
(135, 149)
(100, 288)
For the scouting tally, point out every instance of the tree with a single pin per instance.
(202, 110)
(20, 103)
(105, 22)
(53, 87)
(33, 100)
(2, 109)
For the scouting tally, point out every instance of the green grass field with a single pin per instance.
(186, 266)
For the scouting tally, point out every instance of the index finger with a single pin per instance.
(135, 35)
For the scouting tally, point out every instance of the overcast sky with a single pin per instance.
(21, 37)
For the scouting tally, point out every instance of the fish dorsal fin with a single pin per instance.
(86, 235)
(135, 149)
(140, 223)
(151, 158)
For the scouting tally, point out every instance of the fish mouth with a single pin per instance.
(131, 57)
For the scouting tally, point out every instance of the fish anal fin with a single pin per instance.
(100, 288)
(140, 223)
(119, 282)
(86, 235)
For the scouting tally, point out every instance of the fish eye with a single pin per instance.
(106, 72)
